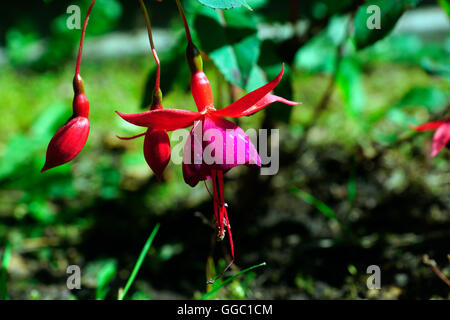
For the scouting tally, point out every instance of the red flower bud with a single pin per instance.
(157, 151)
(201, 91)
(156, 142)
(68, 141)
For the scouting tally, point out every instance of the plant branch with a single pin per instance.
(183, 17)
(152, 45)
(83, 32)
(433, 265)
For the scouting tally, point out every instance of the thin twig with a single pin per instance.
(433, 265)
(83, 32)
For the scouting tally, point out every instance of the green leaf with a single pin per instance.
(432, 98)
(270, 65)
(40, 210)
(432, 56)
(174, 73)
(139, 262)
(107, 14)
(224, 4)
(350, 82)
(319, 205)
(388, 14)
(21, 46)
(223, 284)
(231, 42)
(445, 5)
(321, 9)
(320, 53)
(6, 257)
(351, 189)
(400, 117)
(104, 277)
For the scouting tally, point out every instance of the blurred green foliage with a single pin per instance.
(382, 199)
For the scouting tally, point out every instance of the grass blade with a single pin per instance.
(223, 284)
(319, 205)
(138, 264)
(352, 186)
(4, 272)
(104, 276)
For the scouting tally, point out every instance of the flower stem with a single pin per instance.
(83, 32)
(223, 284)
(152, 45)
(139, 262)
(183, 16)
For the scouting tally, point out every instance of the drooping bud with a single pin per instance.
(70, 139)
(202, 92)
(67, 142)
(80, 101)
(200, 86)
(157, 151)
(157, 99)
(194, 58)
(156, 142)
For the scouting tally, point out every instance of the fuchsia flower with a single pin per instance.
(441, 137)
(209, 118)
(228, 141)
(156, 141)
(70, 139)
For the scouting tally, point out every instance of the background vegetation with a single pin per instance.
(356, 185)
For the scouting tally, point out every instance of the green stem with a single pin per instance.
(139, 262)
(183, 17)
(83, 32)
(4, 272)
(223, 284)
(152, 45)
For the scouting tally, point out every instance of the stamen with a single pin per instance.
(207, 189)
(131, 138)
(211, 281)
(221, 199)
(221, 206)
(215, 196)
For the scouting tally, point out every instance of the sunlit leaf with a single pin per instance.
(104, 277)
(232, 44)
(139, 262)
(214, 291)
(349, 79)
(388, 12)
(6, 258)
(445, 5)
(224, 4)
(319, 205)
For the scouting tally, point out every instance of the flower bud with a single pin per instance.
(80, 101)
(157, 151)
(201, 91)
(194, 58)
(67, 142)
